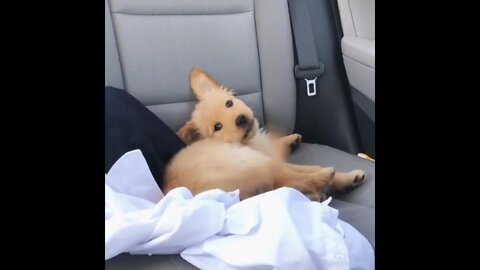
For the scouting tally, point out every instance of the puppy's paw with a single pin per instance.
(358, 177)
(314, 196)
(296, 140)
(348, 181)
(317, 196)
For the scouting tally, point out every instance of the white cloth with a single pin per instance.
(280, 229)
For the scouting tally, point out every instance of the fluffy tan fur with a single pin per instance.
(227, 153)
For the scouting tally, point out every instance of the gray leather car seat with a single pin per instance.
(151, 45)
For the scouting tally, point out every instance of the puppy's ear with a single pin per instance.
(189, 133)
(202, 83)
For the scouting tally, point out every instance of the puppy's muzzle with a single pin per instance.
(242, 121)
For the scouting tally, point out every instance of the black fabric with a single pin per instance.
(129, 125)
(326, 118)
(308, 65)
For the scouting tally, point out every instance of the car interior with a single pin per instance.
(303, 66)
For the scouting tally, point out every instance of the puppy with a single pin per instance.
(227, 150)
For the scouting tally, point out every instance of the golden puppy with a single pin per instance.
(227, 150)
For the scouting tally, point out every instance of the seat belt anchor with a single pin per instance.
(310, 73)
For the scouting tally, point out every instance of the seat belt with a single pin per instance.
(308, 67)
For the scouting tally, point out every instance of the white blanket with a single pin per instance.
(280, 229)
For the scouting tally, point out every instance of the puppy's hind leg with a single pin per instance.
(311, 184)
(341, 180)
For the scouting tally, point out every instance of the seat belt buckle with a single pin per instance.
(308, 74)
(311, 87)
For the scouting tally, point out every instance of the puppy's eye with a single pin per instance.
(229, 103)
(218, 126)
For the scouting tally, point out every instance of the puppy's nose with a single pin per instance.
(241, 121)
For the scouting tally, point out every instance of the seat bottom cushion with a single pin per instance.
(359, 216)
(164, 262)
(356, 206)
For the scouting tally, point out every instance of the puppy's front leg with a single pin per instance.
(285, 145)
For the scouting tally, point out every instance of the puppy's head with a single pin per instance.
(218, 113)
